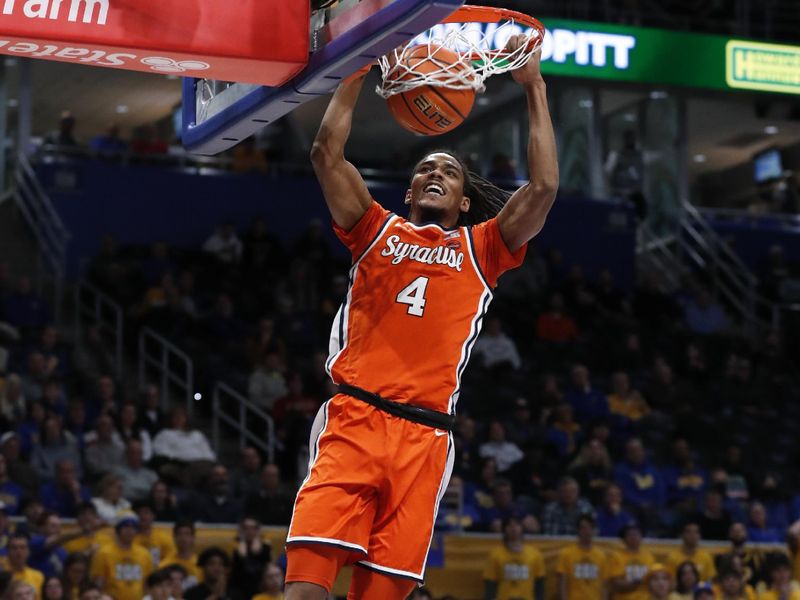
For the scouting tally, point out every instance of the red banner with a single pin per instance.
(247, 41)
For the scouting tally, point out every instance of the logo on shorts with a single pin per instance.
(439, 433)
(163, 64)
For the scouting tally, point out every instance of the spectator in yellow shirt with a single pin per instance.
(20, 590)
(94, 532)
(732, 563)
(514, 571)
(271, 583)
(731, 586)
(629, 567)
(690, 550)
(626, 402)
(156, 541)
(582, 568)
(91, 592)
(183, 534)
(780, 578)
(76, 574)
(659, 582)
(121, 568)
(686, 580)
(19, 551)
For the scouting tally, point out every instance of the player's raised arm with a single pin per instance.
(344, 189)
(524, 214)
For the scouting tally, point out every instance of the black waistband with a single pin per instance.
(417, 414)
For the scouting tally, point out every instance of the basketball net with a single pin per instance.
(478, 35)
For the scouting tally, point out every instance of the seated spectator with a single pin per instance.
(53, 398)
(37, 372)
(593, 471)
(163, 502)
(563, 432)
(555, 326)
(91, 591)
(103, 454)
(690, 550)
(271, 503)
(640, 481)
(630, 567)
(582, 568)
(109, 142)
(514, 570)
(56, 445)
(121, 568)
(185, 454)
(225, 244)
(684, 479)
(560, 516)
(504, 453)
(295, 408)
(129, 428)
(76, 575)
(714, 520)
(246, 478)
(730, 583)
(56, 353)
(611, 514)
(626, 405)
(502, 506)
(177, 576)
(46, 546)
(92, 532)
(758, 529)
(110, 504)
(24, 308)
(752, 559)
(10, 493)
(215, 564)
(18, 554)
(18, 590)
(496, 349)
(151, 418)
(588, 403)
(19, 470)
(267, 383)
(12, 400)
(659, 582)
(215, 503)
(781, 586)
(32, 510)
(64, 494)
(76, 422)
(137, 480)
(158, 586)
(704, 315)
(687, 580)
(30, 428)
(184, 555)
(271, 587)
(250, 556)
(156, 541)
(521, 428)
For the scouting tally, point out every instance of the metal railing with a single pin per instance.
(238, 412)
(93, 307)
(697, 246)
(49, 230)
(167, 364)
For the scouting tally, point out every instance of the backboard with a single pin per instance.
(218, 115)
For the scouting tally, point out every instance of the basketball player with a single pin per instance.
(382, 449)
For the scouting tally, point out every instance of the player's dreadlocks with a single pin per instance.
(486, 199)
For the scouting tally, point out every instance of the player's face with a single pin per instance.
(437, 189)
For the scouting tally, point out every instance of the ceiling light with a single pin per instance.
(699, 158)
(770, 130)
(122, 109)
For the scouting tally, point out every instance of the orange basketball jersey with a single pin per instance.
(417, 297)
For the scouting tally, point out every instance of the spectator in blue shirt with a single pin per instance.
(686, 482)
(10, 493)
(758, 530)
(588, 403)
(65, 493)
(641, 483)
(504, 506)
(110, 142)
(611, 515)
(704, 315)
(47, 552)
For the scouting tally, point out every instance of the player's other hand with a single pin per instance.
(530, 72)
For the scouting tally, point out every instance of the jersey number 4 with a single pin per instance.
(414, 295)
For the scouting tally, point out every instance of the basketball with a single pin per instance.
(428, 109)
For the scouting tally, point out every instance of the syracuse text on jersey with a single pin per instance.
(440, 255)
(52, 10)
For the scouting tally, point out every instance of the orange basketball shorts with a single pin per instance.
(373, 486)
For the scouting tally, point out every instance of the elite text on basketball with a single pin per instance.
(54, 11)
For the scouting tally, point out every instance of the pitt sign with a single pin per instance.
(94, 11)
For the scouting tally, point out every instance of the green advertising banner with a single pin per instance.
(658, 56)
